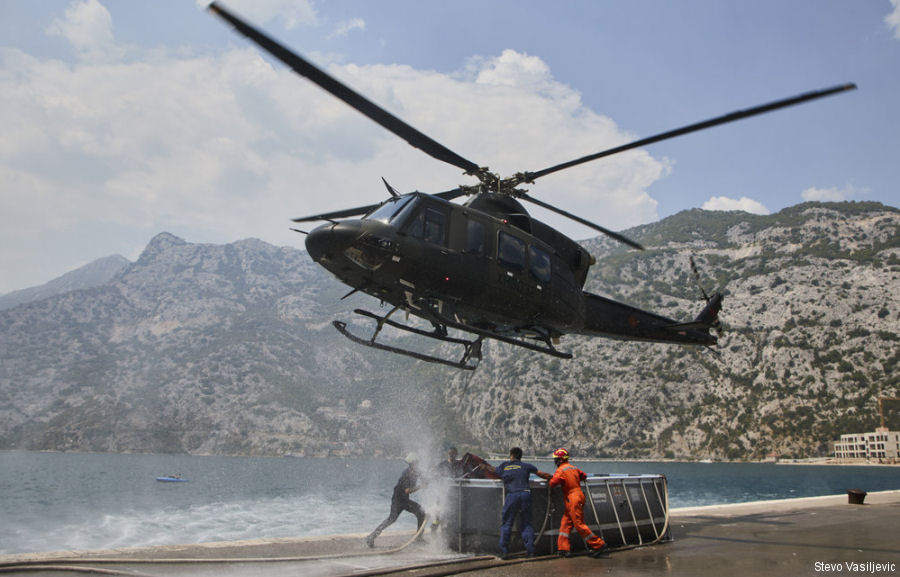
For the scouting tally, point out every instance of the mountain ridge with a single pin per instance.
(93, 274)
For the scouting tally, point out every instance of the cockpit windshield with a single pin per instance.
(390, 209)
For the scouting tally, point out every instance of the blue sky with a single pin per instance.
(125, 119)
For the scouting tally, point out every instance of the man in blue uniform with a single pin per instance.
(515, 475)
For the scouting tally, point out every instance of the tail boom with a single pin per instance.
(607, 318)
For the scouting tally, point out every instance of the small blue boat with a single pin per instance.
(172, 479)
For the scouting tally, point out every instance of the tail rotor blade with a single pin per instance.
(697, 279)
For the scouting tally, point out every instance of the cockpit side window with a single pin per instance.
(511, 251)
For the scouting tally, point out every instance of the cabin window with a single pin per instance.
(430, 224)
(539, 263)
(475, 237)
(511, 251)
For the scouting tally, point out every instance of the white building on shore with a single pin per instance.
(881, 446)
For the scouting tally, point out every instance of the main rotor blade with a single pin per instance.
(360, 210)
(450, 194)
(336, 88)
(597, 227)
(339, 213)
(738, 115)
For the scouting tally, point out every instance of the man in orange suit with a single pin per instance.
(569, 477)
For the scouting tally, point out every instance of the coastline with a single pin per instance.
(836, 463)
(831, 461)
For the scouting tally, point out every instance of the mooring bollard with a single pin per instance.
(856, 496)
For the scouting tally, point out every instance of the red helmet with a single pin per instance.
(561, 454)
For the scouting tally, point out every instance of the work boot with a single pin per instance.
(601, 552)
(562, 553)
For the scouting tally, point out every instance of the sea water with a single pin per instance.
(65, 501)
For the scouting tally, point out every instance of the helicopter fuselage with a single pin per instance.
(490, 271)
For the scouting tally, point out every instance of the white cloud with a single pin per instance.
(511, 69)
(893, 19)
(87, 26)
(347, 26)
(744, 204)
(98, 156)
(828, 194)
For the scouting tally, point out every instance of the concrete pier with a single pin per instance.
(792, 537)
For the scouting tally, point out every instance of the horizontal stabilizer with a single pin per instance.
(691, 326)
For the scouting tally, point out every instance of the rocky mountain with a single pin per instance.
(230, 350)
(810, 341)
(90, 275)
(193, 348)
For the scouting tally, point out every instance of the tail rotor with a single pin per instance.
(710, 313)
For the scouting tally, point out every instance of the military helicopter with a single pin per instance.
(485, 268)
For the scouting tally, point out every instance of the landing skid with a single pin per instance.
(470, 358)
(472, 352)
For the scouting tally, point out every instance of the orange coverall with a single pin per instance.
(569, 478)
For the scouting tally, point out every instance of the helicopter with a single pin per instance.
(484, 268)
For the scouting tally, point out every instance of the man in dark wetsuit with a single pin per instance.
(515, 475)
(400, 501)
(452, 467)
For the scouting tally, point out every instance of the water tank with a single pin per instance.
(623, 509)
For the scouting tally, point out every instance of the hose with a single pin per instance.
(73, 569)
(477, 563)
(546, 517)
(66, 562)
